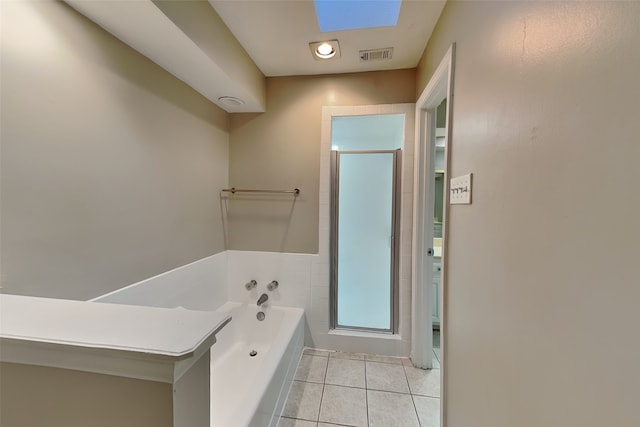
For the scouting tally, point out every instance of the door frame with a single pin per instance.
(440, 86)
(394, 278)
(355, 341)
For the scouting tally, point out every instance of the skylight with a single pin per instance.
(335, 15)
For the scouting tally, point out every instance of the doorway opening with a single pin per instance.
(431, 199)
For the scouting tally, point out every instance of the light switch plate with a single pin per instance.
(460, 190)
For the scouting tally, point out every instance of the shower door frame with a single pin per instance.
(395, 237)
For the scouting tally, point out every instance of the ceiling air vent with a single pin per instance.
(376, 54)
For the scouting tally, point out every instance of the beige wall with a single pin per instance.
(111, 167)
(542, 304)
(33, 396)
(281, 149)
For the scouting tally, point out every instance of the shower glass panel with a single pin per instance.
(372, 132)
(364, 227)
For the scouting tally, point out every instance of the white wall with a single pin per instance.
(541, 307)
(200, 285)
(292, 271)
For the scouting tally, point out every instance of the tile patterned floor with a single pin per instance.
(362, 390)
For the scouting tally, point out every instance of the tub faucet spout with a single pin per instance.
(263, 298)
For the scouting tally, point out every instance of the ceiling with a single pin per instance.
(225, 48)
(276, 34)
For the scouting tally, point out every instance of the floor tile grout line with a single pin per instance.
(324, 384)
(385, 363)
(348, 386)
(364, 358)
(389, 391)
(314, 354)
(340, 360)
(425, 395)
(406, 378)
(366, 391)
(416, 409)
(320, 405)
(326, 370)
(301, 419)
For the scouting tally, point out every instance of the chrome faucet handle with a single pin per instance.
(250, 285)
(263, 298)
(273, 285)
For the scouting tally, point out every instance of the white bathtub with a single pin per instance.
(251, 390)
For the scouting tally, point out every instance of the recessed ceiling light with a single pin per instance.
(325, 50)
(231, 101)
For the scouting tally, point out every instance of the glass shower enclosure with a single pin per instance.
(365, 221)
(364, 256)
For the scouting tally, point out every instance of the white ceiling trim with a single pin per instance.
(144, 27)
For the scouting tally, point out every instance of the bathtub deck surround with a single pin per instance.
(260, 383)
(246, 390)
(159, 345)
(361, 390)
